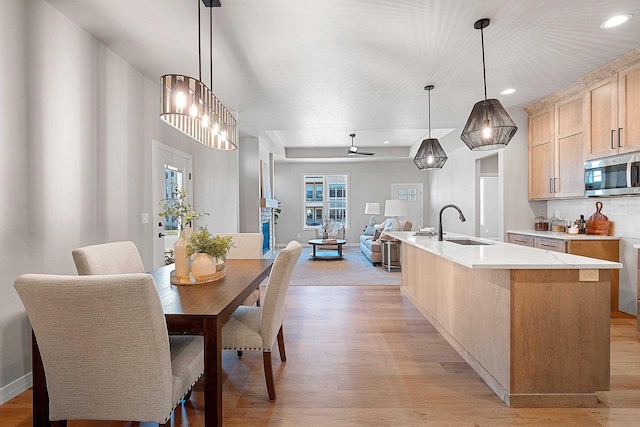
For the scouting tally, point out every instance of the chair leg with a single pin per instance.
(268, 375)
(283, 354)
(239, 353)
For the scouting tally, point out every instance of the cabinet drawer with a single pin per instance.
(519, 239)
(550, 244)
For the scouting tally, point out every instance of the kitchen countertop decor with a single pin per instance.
(562, 235)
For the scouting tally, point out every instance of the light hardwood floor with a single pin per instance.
(364, 356)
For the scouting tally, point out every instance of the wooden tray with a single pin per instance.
(175, 280)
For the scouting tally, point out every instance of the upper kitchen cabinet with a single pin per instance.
(556, 149)
(541, 151)
(613, 114)
(569, 147)
(629, 109)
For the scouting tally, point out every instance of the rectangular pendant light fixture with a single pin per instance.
(190, 106)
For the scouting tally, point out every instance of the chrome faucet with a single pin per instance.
(460, 215)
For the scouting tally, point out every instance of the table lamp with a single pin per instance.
(396, 208)
(372, 209)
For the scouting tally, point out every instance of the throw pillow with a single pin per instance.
(370, 230)
(376, 235)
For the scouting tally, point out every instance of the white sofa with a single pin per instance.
(371, 248)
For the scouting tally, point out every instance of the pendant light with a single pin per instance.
(430, 155)
(489, 126)
(190, 106)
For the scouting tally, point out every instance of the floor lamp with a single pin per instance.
(396, 208)
(372, 209)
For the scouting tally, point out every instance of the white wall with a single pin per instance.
(368, 182)
(456, 183)
(625, 214)
(75, 137)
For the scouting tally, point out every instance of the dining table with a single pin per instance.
(196, 309)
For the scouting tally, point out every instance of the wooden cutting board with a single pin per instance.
(598, 216)
(598, 227)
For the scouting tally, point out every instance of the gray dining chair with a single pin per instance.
(105, 348)
(253, 328)
(108, 258)
(247, 246)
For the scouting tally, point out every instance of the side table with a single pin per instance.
(386, 254)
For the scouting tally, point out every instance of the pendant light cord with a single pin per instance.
(211, 46)
(484, 70)
(199, 46)
(429, 114)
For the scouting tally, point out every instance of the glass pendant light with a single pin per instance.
(430, 155)
(489, 126)
(190, 106)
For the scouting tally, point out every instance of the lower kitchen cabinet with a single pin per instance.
(599, 247)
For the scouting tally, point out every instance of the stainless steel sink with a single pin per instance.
(467, 242)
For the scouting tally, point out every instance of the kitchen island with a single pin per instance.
(534, 324)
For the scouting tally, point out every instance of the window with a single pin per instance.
(325, 194)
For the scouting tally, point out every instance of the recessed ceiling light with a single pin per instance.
(385, 142)
(614, 21)
(507, 91)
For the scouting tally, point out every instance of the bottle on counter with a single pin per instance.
(582, 225)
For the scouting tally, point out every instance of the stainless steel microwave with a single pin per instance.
(612, 176)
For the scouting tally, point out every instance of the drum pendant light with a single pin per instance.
(430, 155)
(489, 126)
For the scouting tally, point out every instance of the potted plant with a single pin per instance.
(179, 209)
(209, 253)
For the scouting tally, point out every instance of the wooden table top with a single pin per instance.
(211, 299)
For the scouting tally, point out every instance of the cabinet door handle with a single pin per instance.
(546, 246)
(555, 185)
(619, 137)
(550, 185)
(613, 131)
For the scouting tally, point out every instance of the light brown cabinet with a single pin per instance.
(597, 248)
(556, 150)
(613, 114)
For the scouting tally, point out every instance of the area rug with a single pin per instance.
(355, 269)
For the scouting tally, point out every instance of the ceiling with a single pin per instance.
(302, 75)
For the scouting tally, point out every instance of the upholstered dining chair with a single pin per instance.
(108, 258)
(105, 348)
(256, 328)
(246, 246)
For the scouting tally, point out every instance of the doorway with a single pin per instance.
(171, 169)
(412, 193)
(488, 215)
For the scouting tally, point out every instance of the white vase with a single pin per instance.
(180, 255)
(203, 266)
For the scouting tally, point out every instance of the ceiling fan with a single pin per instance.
(353, 150)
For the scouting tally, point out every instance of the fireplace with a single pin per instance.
(266, 238)
(266, 228)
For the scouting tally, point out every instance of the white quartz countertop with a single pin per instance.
(500, 255)
(636, 246)
(562, 235)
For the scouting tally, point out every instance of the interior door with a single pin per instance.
(412, 193)
(171, 168)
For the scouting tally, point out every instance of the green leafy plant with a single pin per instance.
(202, 241)
(179, 208)
(276, 213)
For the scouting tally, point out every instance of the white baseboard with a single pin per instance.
(13, 389)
